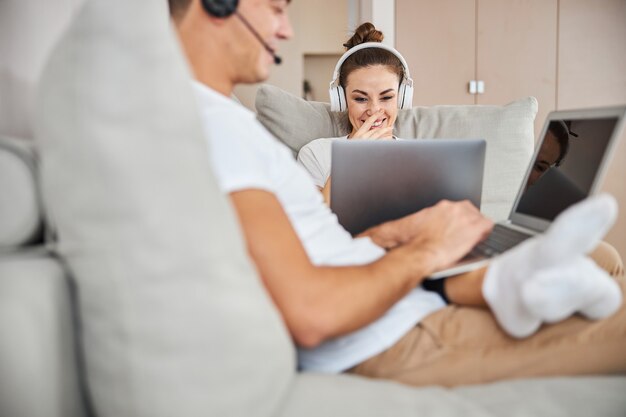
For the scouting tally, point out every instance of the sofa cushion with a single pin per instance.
(507, 129)
(175, 320)
(20, 212)
(38, 366)
(346, 395)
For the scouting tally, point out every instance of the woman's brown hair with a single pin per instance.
(368, 57)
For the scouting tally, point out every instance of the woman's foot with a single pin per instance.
(548, 278)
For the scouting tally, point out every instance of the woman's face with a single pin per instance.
(548, 155)
(371, 89)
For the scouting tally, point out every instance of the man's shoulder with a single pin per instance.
(229, 122)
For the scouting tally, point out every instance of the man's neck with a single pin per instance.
(206, 68)
(222, 86)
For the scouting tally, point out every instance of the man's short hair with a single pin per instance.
(178, 8)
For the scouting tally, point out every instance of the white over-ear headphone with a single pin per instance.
(338, 95)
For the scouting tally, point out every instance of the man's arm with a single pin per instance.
(318, 303)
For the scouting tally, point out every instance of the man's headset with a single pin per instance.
(338, 95)
(226, 8)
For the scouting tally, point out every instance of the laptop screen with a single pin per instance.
(566, 165)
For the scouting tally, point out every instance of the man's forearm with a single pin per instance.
(318, 303)
(341, 300)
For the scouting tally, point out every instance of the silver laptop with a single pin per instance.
(568, 165)
(377, 181)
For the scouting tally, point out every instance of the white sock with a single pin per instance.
(501, 289)
(554, 294)
(573, 233)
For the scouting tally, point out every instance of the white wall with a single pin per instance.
(320, 27)
(382, 13)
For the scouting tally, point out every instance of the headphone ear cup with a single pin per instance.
(220, 8)
(343, 106)
(406, 96)
(337, 99)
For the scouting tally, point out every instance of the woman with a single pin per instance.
(371, 82)
(553, 150)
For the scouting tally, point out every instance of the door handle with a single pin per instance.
(473, 89)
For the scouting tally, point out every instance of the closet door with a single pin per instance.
(592, 73)
(437, 38)
(516, 52)
(592, 53)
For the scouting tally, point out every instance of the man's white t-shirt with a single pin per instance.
(244, 155)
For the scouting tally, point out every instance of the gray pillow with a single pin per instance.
(175, 320)
(507, 129)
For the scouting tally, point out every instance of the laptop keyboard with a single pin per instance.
(501, 239)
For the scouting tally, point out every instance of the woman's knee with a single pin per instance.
(607, 258)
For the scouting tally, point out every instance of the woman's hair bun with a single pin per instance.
(366, 32)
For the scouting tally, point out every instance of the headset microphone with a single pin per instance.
(277, 59)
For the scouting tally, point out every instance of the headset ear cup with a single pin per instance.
(406, 95)
(220, 8)
(337, 99)
(332, 95)
(343, 106)
(401, 96)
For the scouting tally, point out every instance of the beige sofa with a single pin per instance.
(143, 302)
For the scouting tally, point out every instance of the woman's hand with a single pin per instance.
(365, 131)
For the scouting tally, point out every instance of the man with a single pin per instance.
(346, 301)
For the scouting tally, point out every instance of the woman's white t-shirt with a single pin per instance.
(315, 157)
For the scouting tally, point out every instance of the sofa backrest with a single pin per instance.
(174, 319)
(508, 131)
(38, 362)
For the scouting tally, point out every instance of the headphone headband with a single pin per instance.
(405, 91)
(366, 45)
